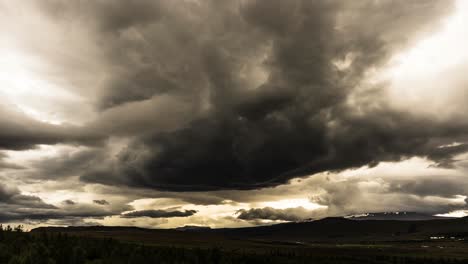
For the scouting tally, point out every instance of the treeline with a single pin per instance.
(18, 247)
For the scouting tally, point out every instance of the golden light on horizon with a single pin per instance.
(292, 203)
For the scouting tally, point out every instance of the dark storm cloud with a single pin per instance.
(46, 215)
(444, 155)
(101, 202)
(69, 202)
(269, 213)
(264, 92)
(11, 196)
(159, 213)
(15, 206)
(295, 122)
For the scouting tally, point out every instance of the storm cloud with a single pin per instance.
(227, 105)
(18, 207)
(269, 95)
(269, 213)
(159, 213)
(21, 132)
(11, 196)
(101, 202)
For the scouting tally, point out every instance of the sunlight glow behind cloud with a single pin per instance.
(25, 87)
(444, 48)
(291, 203)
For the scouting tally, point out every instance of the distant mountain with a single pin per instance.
(398, 216)
(193, 228)
(336, 230)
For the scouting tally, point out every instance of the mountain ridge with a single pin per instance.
(333, 229)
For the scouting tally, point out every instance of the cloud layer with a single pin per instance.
(159, 213)
(268, 94)
(225, 104)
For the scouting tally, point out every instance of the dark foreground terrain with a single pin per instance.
(332, 240)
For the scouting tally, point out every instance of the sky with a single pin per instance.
(163, 114)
